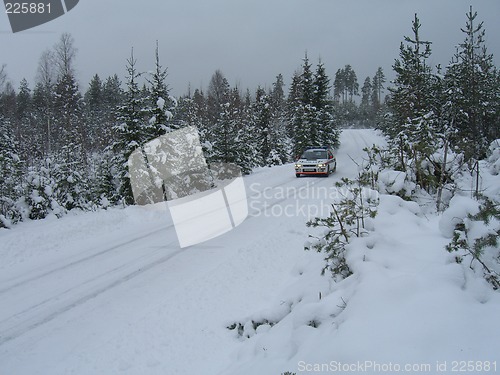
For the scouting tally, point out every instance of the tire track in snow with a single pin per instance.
(79, 261)
(32, 323)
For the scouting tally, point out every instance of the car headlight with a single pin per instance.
(321, 165)
(298, 165)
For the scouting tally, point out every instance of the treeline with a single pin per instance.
(439, 120)
(61, 148)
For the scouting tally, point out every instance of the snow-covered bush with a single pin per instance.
(9, 212)
(376, 160)
(396, 183)
(494, 158)
(476, 236)
(40, 190)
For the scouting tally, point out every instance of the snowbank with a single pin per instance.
(407, 304)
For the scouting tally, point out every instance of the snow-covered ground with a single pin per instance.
(111, 292)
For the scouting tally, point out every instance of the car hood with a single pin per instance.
(302, 161)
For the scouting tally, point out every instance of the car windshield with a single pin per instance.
(314, 154)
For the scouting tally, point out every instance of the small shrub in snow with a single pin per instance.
(347, 219)
(376, 159)
(10, 212)
(396, 183)
(476, 236)
(249, 328)
(494, 158)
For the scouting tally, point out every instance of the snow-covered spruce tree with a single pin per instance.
(302, 113)
(113, 96)
(71, 146)
(471, 84)
(267, 125)
(347, 219)
(230, 135)
(217, 96)
(307, 105)
(192, 111)
(8, 105)
(43, 115)
(413, 123)
(105, 185)
(68, 128)
(294, 116)
(210, 108)
(246, 143)
(280, 139)
(227, 135)
(94, 113)
(72, 178)
(263, 126)
(11, 172)
(161, 103)
(30, 138)
(185, 113)
(327, 132)
(129, 131)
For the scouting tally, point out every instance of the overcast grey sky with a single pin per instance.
(251, 41)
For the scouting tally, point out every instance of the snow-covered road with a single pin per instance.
(112, 293)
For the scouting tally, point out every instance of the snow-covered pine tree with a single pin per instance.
(129, 130)
(302, 113)
(294, 114)
(43, 103)
(105, 186)
(227, 134)
(68, 127)
(217, 97)
(280, 139)
(413, 104)
(72, 145)
(161, 104)
(307, 105)
(41, 191)
(8, 104)
(262, 124)
(113, 96)
(3, 76)
(377, 87)
(11, 172)
(31, 139)
(246, 142)
(345, 88)
(351, 83)
(471, 81)
(193, 111)
(94, 114)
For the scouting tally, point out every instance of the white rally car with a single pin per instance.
(318, 160)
